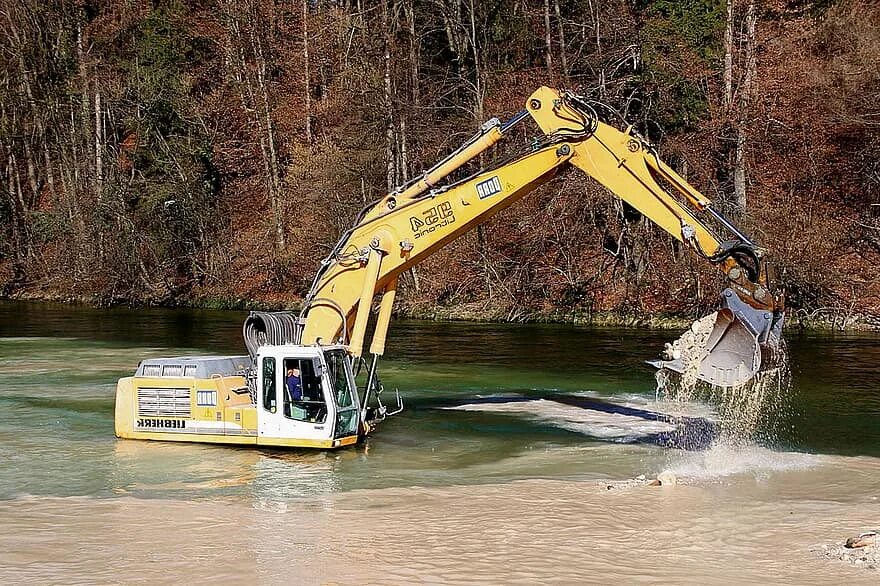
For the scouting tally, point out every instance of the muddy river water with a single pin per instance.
(509, 465)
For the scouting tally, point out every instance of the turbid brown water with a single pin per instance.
(737, 531)
(499, 471)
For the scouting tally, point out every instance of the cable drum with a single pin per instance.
(263, 328)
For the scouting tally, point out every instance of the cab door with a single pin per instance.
(269, 408)
(340, 378)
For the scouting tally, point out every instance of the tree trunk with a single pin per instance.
(264, 119)
(47, 161)
(479, 85)
(33, 183)
(548, 48)
(85, 101)
(390, 174)
(403, 170)
(453, 26)
(751, 56)
(727, 96)
(18, 211)
(743, 115)
(413, 52)
(561, 30)
(308, 82)
(273, 169)
(99, 145)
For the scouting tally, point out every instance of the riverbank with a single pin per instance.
(821, 320)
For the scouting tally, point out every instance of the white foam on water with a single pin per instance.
(692, 408)
(723, 459)
(590, 422)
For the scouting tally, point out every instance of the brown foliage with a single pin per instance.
(227, 110)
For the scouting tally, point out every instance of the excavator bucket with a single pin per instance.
(726, 348)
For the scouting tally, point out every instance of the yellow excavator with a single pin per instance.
(297, 387)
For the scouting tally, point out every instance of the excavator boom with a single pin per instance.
(411, 223)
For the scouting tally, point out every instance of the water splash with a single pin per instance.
(722, 460)
(746, 415)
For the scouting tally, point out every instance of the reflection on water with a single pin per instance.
(497, 470)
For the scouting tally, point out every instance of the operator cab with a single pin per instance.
(306, 393)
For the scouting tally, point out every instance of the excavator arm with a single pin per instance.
(408, 225)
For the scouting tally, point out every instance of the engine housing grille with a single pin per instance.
(164, 402)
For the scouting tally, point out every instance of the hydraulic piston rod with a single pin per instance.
(490, 133)
(374, 262)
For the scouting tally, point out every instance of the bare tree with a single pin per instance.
(306, 78)
(548, 47)
(388, 97)
(561, 30)
(246, 33)
(727, 95)
(479, 84)
(99, 144)
(413, 51)
(743, 107)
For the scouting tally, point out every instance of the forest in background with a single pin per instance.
(211, 152)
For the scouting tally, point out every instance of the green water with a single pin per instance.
(59, 365)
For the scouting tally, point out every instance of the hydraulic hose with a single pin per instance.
(263, 328)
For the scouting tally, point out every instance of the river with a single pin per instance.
(500, 469)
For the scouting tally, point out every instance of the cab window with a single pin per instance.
(269, 384)
(303, 396)
(347, 415)
(339, 378)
